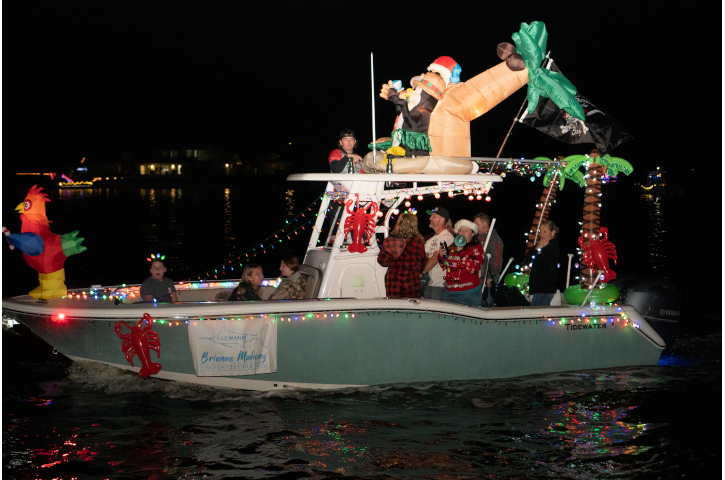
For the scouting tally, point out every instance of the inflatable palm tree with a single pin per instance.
(597, 250)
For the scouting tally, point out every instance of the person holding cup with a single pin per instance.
(462, 265)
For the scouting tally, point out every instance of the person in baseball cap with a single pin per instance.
(435, 287)
(439, 211)
(344, 159)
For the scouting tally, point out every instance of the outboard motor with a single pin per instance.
(659, 301)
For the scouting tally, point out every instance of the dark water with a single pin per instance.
(63, 420)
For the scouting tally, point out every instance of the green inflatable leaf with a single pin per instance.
(615, 165)
(573, 162)
(530, 43)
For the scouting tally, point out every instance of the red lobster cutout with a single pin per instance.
(138, 342)
(598, 253)
(362, 224)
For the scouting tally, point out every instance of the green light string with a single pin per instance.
(273, 237)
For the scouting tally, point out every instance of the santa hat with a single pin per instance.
(443, 66)
(466, 223)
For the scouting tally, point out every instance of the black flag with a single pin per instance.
(599, 128)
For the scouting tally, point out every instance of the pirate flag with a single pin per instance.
(598, 128)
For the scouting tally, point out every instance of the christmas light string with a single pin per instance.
(272, 239)
(582, 320)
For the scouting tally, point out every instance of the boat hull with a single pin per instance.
(341, 343)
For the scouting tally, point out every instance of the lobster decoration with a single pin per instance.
(598, 254)
(361, 224)
(138, 342)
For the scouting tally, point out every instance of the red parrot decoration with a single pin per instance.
(42, 249)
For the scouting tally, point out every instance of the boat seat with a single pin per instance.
(314, 280)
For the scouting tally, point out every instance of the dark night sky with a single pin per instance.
(81, 78)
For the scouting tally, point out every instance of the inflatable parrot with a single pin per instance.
(44, 250)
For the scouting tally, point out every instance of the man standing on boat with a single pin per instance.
(491, 268)
(344, 159)
(436, 288)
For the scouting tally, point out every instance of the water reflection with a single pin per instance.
(656, 240)
(569, 425)
(149, 196)
(229, 237)
(290, 199)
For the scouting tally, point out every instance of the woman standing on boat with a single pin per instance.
(250, 288)
(462, 266)
(544, 270)
(403, 252)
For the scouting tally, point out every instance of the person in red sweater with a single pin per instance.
(403, 252)
(462, 266)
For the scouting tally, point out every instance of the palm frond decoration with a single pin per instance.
(615, 165)
(530, 43)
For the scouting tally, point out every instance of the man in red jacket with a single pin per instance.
(344, 159)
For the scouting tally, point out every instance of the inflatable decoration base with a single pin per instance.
(434, 164)
(516, 279)
(52, 285)
(603, 293)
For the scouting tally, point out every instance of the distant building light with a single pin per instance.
(27, 174)
(173, 167)
(152, 167)
(106, 178)
(82, 169)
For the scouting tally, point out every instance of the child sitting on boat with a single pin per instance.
(158, 288)
(250, 288)
(293, 287)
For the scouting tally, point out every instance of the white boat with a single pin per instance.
(346, 333)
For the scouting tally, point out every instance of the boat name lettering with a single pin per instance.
(242, 357)
(206, 358)
(671, 313)
(252, 357)
(589, 326)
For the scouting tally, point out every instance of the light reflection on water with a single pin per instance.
(657, 238)
(290, 199)
(579, 425)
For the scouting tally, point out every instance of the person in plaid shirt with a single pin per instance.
(403, 252)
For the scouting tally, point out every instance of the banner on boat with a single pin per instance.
(230, 348)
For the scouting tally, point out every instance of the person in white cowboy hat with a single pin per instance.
(462, 266)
